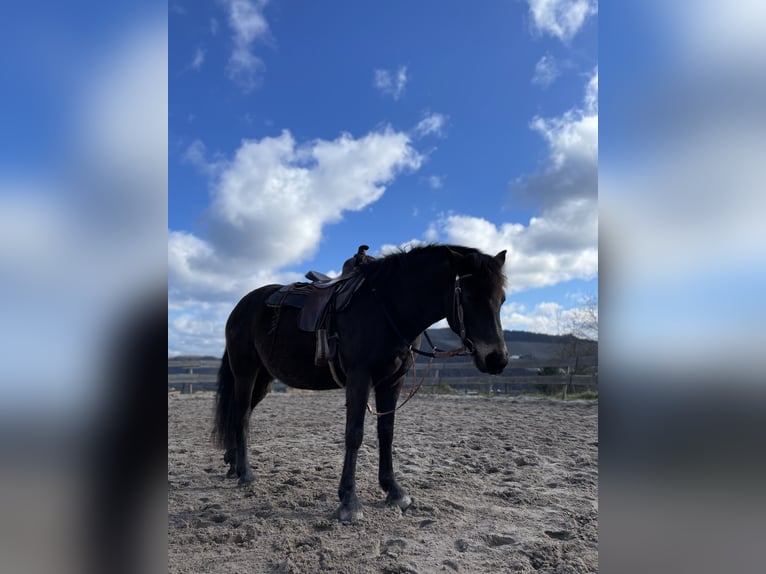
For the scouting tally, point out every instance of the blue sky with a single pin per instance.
(298, 131)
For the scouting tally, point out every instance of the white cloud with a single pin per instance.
(391, 83)
(435, 181)
(198, 331)
(431, 124)
(561, 18)
(198, 60)
(195, 155)
(546, 71)
(547, 317)
(561, 243)
(559, 246)
(543, 318)
(432, 233)
(572, 169)
(270, 203)
(591, 95)
(248, 24)
(573, 136)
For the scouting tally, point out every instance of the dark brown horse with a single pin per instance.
(401, 296)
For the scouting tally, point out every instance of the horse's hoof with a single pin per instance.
(231, 473)
(245, 480)
(349, 515)
(404, 502)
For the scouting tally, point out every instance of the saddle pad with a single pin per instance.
(314, 299)
(292, 295)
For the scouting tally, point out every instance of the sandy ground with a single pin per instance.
(499, 485)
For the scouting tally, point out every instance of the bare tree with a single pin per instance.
(582, 327)
(583, 321)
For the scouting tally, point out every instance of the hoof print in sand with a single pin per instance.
(393, 547)
(494, 540)
(461, 545)
(560, 534)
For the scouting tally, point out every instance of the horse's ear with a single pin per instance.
(501, 257)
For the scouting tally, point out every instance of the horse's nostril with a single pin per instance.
(496, 361)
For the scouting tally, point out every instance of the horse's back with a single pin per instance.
(253, 301)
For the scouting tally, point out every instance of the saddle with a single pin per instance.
(318, 302)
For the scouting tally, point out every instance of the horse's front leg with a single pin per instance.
(386, 398)
(357, 391)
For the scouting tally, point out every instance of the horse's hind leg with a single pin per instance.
(249, 393)
(386, 398)
(230, 458)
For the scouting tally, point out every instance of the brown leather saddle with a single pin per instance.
(318, 302)
(317, 299)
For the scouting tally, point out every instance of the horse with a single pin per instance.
(402, 294)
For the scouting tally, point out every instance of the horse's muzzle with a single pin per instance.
(494, 363)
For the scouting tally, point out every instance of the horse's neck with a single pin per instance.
(417, 298)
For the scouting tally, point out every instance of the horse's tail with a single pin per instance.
(223, 432)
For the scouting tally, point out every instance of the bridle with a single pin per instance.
(467, 348)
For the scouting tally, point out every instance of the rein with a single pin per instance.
(415, 388)
(467, 347)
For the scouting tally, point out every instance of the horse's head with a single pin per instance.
(478, 295)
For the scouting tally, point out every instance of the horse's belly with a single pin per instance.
(323, 382)
(304, 376)
(290, 357)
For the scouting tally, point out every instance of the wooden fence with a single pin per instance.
(200, 374)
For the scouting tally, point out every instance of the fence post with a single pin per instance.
(188, 386)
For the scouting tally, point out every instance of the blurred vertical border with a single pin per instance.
(683, 273)
(83, 265)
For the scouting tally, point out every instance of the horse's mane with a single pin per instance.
(482, 266)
